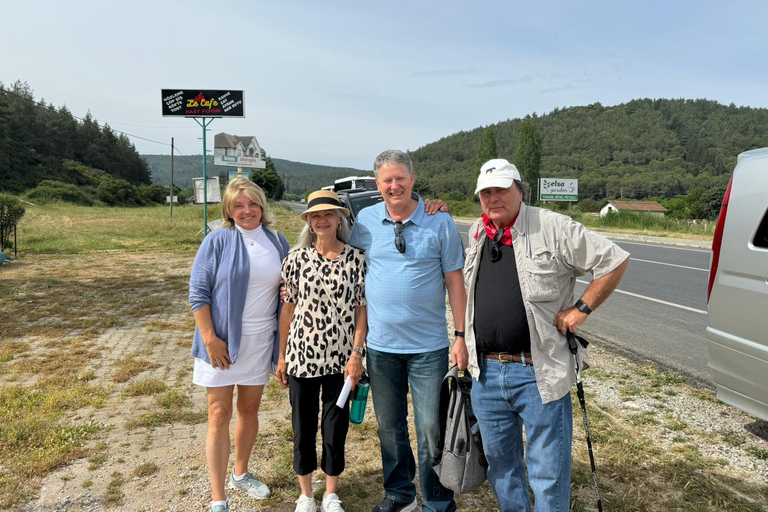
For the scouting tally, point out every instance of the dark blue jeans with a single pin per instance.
(390, 375)
(505, 398)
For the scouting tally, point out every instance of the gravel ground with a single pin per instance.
(180, 482)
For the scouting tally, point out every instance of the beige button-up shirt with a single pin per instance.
(551, 251)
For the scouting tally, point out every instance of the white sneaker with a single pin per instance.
(305, 504)
(331, 503)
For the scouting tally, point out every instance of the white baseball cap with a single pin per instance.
(497, 173)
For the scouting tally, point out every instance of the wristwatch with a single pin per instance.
(359, 350)
(582, 306)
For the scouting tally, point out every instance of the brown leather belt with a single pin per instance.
(506, 357)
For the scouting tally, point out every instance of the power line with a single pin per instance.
(52, 108)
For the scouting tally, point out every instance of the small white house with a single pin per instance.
(651, 207)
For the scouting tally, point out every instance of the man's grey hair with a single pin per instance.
(523, 187)
(392, 156)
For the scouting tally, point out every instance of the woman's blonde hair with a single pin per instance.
(245, 186)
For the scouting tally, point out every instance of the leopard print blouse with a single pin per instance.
(317, 344)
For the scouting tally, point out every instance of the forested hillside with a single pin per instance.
(644, 148)
(36, 139)
(639, 149)
(297, 176)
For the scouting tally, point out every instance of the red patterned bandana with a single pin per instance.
(490, 230)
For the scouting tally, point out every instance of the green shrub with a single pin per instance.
(50, 190)
(152, 194)
(117, 192)
(11, 210)
(590, 205)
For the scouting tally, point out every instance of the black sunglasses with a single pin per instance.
(496, 247)
(399, 239)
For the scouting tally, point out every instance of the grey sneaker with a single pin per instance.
(250, 485)
(220, 508)
(305, 504)
(331, 503)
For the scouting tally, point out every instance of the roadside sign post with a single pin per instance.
(556, 189)
(203, 106)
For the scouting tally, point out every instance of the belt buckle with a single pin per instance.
(505, 357)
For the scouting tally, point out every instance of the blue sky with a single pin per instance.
(335, 83)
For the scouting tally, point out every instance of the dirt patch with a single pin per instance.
(660, 444)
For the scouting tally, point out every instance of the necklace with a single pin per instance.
(249, 240)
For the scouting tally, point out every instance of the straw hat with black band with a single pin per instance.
(323, 200)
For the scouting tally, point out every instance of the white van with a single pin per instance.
(738, 289)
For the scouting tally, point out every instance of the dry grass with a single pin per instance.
(55, 307)
(145, 387)
(146, 469)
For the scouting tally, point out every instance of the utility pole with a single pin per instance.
(171, 177)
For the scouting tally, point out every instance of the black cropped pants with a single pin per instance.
(305, 395)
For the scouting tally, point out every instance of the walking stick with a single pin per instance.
(573, 342)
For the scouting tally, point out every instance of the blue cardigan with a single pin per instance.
(219, 279)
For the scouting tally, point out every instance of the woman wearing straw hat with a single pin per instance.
(322, 334)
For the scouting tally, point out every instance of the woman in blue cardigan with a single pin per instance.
(234, 296)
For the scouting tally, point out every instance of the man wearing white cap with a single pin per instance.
(520, 273)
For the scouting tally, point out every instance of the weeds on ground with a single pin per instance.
(114, 495)
(146, 469)
(145, 387)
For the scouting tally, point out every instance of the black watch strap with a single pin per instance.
(458, 334)
(582, 306)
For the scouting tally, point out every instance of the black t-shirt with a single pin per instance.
(500, 321)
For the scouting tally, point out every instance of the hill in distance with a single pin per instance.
(297, 176)
(644, 148)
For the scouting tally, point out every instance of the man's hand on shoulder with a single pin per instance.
(432, 206)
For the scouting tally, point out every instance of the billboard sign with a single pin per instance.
(203, 103)
(238, 151)
(214, 191)
(554, 189)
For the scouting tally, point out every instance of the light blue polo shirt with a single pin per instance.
(405, 293)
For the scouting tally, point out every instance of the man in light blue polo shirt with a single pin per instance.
(412, 258)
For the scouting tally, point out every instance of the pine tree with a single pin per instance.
(486, 150)
(269, 181)
(529, 156)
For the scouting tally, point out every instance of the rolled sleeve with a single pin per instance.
(586, 251)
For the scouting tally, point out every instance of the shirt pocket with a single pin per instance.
(541, 271)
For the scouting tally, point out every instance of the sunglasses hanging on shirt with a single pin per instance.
(496, 247)
(399, 239)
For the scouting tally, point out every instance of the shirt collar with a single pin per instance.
(518, 224)
(415, 218)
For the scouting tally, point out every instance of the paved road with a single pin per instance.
(297, 207)
(658, 312)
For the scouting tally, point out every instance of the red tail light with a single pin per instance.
(718, 239)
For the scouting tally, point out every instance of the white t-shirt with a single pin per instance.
(260, 311)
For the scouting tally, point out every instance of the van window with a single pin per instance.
(761, 237)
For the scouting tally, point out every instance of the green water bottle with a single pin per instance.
(359, 400)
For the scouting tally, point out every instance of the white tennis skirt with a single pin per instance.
(252, 367)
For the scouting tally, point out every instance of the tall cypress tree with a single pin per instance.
(486, 150)
(529, 156)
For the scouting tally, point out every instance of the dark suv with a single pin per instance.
(356, 199)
